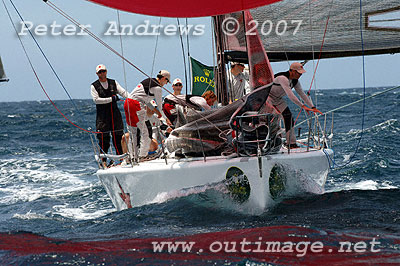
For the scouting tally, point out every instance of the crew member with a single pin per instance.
(108, 117)
(238, 82)
(283, 84)
(135, 110)
(169, 103)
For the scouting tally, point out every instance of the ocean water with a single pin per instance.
(54, 210)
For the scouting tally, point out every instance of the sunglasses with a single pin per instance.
(178, 84)
(167, 80)
(101, 71)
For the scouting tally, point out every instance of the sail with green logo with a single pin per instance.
(202, 77)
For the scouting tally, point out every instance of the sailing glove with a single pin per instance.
(115, 98)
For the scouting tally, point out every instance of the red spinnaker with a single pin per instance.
(180, 8)
(260, 69)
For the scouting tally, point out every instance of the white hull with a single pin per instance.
(303, 171)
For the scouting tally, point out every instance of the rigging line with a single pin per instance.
(187, 37)
(37, 77)
(44, 55)
(219, 54)
(94, 36)
(113, 129)
(213, 46)
(322, 45)
(352, 103)
(98, 39)
(312, 48)
(122, 48)
(272, 12)
(384, 20)
(58, 10)
(125, 82)
(184, 56)
(62, 13)
(363, 106)
(188, 53)
(155, 48)
(319, 57)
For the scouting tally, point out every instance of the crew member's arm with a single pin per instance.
(306, 99)
(121, 91)
(200, 101)
(96, 97)
(303, 96)
(284, 82)
(157, 91)
(247, 87)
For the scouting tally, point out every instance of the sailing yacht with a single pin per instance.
(239, 145)
(3, 77)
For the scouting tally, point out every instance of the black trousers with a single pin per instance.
(287, 119)
(104, 141)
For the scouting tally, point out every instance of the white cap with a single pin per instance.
(236, 63)
(298, 67)
(177, 80)
(165, 74)
(100, 67)
(152, 102)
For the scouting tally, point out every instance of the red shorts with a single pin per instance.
(131, 107)
(167, 109)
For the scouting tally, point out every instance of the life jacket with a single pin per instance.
(131, 108)
(148, 84)
(108, 116)
(286, 74)
(168, 101)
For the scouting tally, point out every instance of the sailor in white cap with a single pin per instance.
(169, 104)
(238, 81)
(105, 93)
(283, 84)
(135, 110)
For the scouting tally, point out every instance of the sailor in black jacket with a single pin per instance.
(108, 117)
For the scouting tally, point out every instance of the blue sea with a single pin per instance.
(49, 192)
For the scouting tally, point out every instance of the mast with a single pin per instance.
(220, 76)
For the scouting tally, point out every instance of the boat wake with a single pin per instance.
(362, 185)
(36, 180)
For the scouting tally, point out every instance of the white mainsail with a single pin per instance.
(295, 30)
(3, 77)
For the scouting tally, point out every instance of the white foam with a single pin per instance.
(80, 213)
(381, 126)
(382, 164)
(29, 216)
(362, 185)
(28, 179)
(31, 178)
(350, 93)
